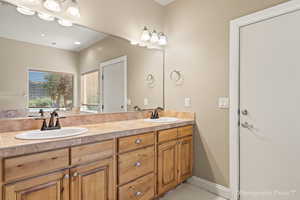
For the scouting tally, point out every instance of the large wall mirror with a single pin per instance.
(44, 65)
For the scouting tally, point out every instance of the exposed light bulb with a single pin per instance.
(64, 22)
(154, 37)
(162, 39)
(74, 11)
(46, 17)
(25, 11)
(52, 5)
(145, 34)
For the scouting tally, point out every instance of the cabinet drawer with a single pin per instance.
(185, 131)
(135, 164)
(35, 164)
(167, 135)
(91, 152)
(135, 142)
(141, 189)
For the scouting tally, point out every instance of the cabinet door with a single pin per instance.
(167, 166)
(94, 181)
(185, 157)
(53, 186)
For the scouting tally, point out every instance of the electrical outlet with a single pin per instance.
(223, 102)
(146, 102)
(187, 102)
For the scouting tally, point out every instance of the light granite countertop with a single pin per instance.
(10, 146)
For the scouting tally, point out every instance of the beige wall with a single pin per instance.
(18, 57)
(141, 62)
(198, 33)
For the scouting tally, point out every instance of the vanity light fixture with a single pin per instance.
(46, 17)
(162, 39)
(53, 5)
(25, 11)
(154, 37)
(146, 35)
(149, 38)
(73, 9)
(64, 22)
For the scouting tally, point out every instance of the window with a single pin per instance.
(50, 90)
(90, 91)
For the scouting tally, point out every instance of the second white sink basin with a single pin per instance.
(43, 135)
(162, 120)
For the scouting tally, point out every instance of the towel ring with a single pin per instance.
(150, 80)
(178, 73)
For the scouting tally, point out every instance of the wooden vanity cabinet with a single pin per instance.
(185, 158)
(139, 167)
(175, 157)
(93, 181)
(53, 186)
(167, 166)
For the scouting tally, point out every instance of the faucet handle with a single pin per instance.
(41, 112)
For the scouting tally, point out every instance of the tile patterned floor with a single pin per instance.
(189, 192)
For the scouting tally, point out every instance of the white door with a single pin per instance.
(114, 85)
(270, 109)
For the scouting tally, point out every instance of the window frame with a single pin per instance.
(81, 89)
(48, 71)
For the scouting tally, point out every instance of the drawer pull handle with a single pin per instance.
(75, 174)
(137, 194)
(138, 164)
(138, 141)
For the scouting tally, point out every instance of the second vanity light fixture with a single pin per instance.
(153, 37)
(70, 7)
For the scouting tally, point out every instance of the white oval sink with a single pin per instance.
(162, 120)
(52, 134)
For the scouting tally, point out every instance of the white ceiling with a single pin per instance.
(164, 2)
(30, 29)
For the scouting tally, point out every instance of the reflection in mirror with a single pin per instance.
(78, 70)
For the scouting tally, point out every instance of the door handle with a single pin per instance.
(247, 125)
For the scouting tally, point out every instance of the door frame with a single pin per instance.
(111, 62)
(234, 83)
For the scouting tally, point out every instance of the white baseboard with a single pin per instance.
(211, 187)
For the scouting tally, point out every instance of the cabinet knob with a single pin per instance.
(66, 176)
(75, 174)
(138, 141)
(137, 194)
(138, 164)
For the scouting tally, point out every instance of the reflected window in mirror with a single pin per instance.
(48, 90)
(90, 100)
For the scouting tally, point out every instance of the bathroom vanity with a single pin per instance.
(121, 160)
